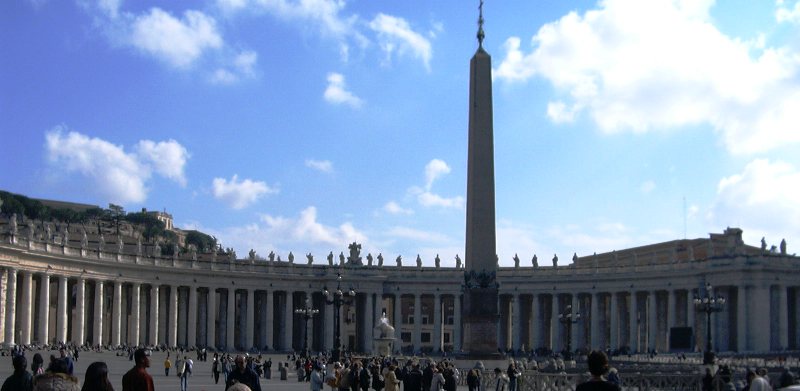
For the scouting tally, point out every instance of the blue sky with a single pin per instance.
(303, 125)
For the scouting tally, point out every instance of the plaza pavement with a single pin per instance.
(201, 379)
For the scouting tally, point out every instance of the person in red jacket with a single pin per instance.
(137, 379)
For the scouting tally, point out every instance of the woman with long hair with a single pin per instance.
(97, 378)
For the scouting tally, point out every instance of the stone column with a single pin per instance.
(44, 309)
(535, 323)
(230, 324)
(516, 322)
(289, 317)
(61, 310)
(27, 308)
(271, 321)
(133, 332)
(691, 311)
(783, 317)
(741, 319)
(595, 321)
(416, 338)
(634, 323)
(80, 312)
(398, 321)
(191, 322)
(154, 295)
(555, 325)
(173, 316)
(3, 301)
(328, 321)
(671, 312)
(370, 322)
(437, 322)
(211, 318)
(577, 340)
(97, 324)
(456, 322)
(758, 311)
(116, 315)
(614, 322)
(652, 320)
(251, 316)
(11, 303)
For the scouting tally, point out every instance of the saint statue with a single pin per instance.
(535, 261)
(251, 255)
(13, 223)
(310, 258)
(458, 262)
(369, 259)
(437, 261)
(380, 259)
(574, 257)
(419, 261)
(271, 256)
(291, 257)
(555, 260)
(120, 244)
(341, 258)
(330, 258)
(516, 260)
(783, 246)
(399, 261)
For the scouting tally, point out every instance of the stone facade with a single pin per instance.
(52, 292)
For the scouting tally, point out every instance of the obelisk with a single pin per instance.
(480, 310)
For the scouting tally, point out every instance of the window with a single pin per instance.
(410, 319)
(425, 338)
(406, 337)
(425, 319)
(449, 320)
(446, 338)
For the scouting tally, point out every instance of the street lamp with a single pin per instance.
(709, 304)
(307, 312)
(337, 299)
(567, 318)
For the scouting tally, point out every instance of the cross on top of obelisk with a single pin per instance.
(480, 25)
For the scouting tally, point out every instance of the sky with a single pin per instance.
(305, 125)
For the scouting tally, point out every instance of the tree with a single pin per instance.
(203, 242)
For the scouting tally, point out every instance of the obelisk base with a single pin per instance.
(480, 323)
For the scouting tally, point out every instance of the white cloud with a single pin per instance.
(762, 200)
(559, 113)
(637, 66)
(115, 174)
(418, 235)
(435, 169)
(110, 7)
(647, 187)
(320, 165)
(178, 42)
(306, 229)
(787, 14)
(429, 199)
(337, 93)
(240, 194)
(394, 208)
(395, 34)
(167, 158)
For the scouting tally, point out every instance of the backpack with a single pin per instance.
(331, 381)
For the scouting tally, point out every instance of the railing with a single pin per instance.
(539, 381)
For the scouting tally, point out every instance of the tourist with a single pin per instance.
(21, 379)
(787, 378)
(474, 380)
(215, 369)
(96, 378)
(56, 377)
(613, 376)
(598, 366)
(512, 373)
(283, 370)
(412, 381)
(137, 379)
(377, 378)
(390, 380)
(316, 378)
(500, 380)
(268, 369)
(757, 382)
(226, 367)
(364, 378)
(187, 371)
(708, 381)
(450, 378)
(243, 374)
(37, 366)
(68, 360)
(437, 381)
(427, 376)
(167, 365)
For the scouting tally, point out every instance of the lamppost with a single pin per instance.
(567, 318)
(308, 312)
(337, 298)
(709, 304)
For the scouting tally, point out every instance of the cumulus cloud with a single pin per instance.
(337, 93)
(242, 66)
(116, 174)
(435, 169)
(637, 66)
(787, 14)
(306, 228)
(179, 42)
(320, 165)
(110, 7)
(396, 35)
(418, 235)
(762, 200)
(240, 194)
(394, 208)
(429, 199)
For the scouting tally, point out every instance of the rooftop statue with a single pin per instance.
(309, 258)
(380, 259)
(574, 257)
(271, 256)
(291, 257)
(555, 260)
(419, 261)
(458, 262)
(330, 258)
(783, 246)
(516, 260)
(355, 254)
(535, 261)
(13, 223)
(369, 259)
(157, 250)
(251, 255)
(437, 260)
(121, 244)
(341, 258)
(399, 261)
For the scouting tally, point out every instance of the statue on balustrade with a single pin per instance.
(65, 236)
(101, 243)
(271, 256)
(399, 261)
(139, 246)
(48, 233)
(516, 260)
(458, 262)
(341, 258)
(574, 257)
(535, 261)
(436, 261)
(783, 246)
(31, 230)
(380, 259)
(309, 258)
(120, 244)
(251, 255)
(369, 259)
(355, 254)
(13, 223)
(555, 260)
(419, 261)
(763, 245)
(291, 257)
(330, 258)
(84, 239)
(157, 250)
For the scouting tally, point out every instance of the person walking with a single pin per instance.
(390, 380)
(56, 377)
(215, 369)
(137, 379)
(21, 379)
(316, 378)
(167, 365)
(187, 371)
(243, 374)
(500, 380)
